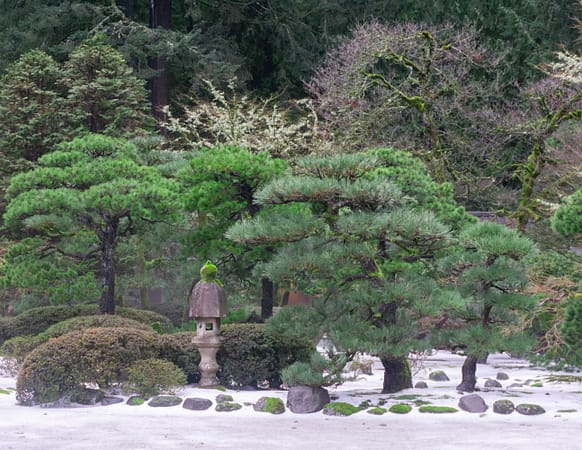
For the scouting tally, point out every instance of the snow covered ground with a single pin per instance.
(121, 426)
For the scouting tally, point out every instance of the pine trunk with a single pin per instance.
(468, 373)
(159, 85)
(266, 298)
(397, 375)
(107, 301)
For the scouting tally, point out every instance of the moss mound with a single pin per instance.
(400, 408)
(437, 409)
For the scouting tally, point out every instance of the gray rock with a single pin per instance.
(135, 400)
(421, 385)
(438, 375)
(492, 384)
(307, 399)
(502, 376)
(528, 409)
(473, 403)
(197, 404)
(227, 406)
(87, 396)
(515, 385)
(273, 405)
(222, 398)
(503, 407)
(164, 401)
(110, 400)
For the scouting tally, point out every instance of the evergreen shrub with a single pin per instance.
(150, 377)
(61, 367)
(37, 320)
(19, 346)
(250, 356)
(180, 350)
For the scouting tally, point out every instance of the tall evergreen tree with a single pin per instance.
(491, 274)
(353, 239)
(84, 199)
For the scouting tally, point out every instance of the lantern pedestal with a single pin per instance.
(208, 347)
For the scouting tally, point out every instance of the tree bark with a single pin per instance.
(397, 375)
(108, 236)
(159, 84)
(266, 298)
(468, 372)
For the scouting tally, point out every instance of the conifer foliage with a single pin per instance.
(354, 240)
(85, 198)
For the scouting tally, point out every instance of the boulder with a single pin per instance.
(222, 398)
(421, 385)
(438, 375)
(492, 384)
(135, 400)
(503, 407)
(307, 399)
(473, 403)
(272, 405)
(502, 376)
(529, 409)
(111, 400)
(164, 401)
(197, 404)
(227, 406)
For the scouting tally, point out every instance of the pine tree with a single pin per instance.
(491, 274)
(86, 198)
(354, 240)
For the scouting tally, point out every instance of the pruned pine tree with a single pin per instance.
(491, 275)
(353, 240)
(84, 199)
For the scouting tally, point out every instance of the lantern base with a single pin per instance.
(208, 347)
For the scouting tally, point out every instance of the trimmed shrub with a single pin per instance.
(150, 377)
(37, 320)
(249, 356)
(6, 328)
(20, 346)
(60, 367)
(179, 349)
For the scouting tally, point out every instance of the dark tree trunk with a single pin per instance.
(468, 372)
(127, 6)
(108, 236)
(159, 85)
(397, 374)
(266, 298)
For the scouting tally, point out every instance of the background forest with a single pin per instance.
(411, 169)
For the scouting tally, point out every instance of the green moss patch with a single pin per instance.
(377, 411)
(567, 410)
(340, 409)
(400, 408)
(407, 397)
(5, 391)
(422, 402)
(437, 409)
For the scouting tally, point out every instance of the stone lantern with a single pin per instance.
(207, 307)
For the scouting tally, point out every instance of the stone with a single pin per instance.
(421, 385)
(110, 400)
(164, 401)
(473, 403)
(222, 398)
(196, 404)
(87, 396)
(272, 405)
(529, 409)
(227, 406)
(438, 375)
(502, 376)
(503, 407)
(515, 385)
(492, 384)
(307, 399)
(135, 400)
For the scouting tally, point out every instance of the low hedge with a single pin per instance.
(37, 320)
(61, 367)
(249, 356)
(19, 346)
